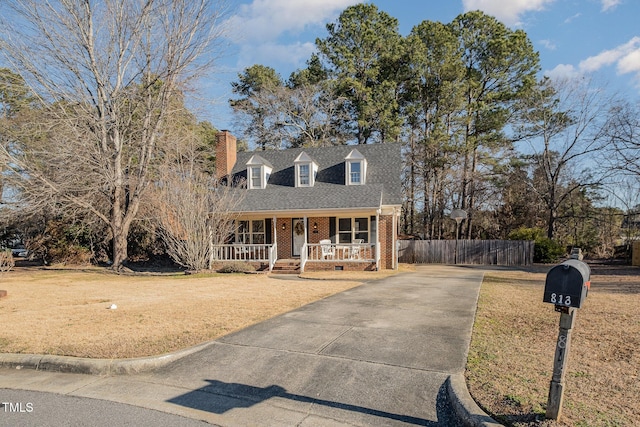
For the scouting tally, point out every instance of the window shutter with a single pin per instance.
(332, 228)
(268, 225)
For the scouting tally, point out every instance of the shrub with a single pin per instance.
(6, 261)
(236, 267)
(545, 250)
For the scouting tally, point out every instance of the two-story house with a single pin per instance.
(324, 208)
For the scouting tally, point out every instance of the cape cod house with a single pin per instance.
(314, 208)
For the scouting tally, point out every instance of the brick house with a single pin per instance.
(315, 208)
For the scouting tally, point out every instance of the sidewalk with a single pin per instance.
(380, 354)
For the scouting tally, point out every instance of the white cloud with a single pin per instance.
(550, 45)
(609, 4)
(270, 31)
(622, 56)
(289, 56)
(509, 12)
(266, 20)
(561, 72)
(572, 18)
(625, 57)
(630, 63)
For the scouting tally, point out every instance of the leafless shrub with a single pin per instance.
(6, 261)
(195, 213)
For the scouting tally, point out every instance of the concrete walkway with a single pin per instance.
(377, 355)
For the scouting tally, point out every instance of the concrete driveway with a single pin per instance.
(376, 355)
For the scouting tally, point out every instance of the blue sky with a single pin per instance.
(601, 37)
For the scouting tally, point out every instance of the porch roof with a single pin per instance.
(320, 197)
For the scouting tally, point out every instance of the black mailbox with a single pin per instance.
(567, 284)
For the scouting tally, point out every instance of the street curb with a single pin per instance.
(465, 408)
(81, 365)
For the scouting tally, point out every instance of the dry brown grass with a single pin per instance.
(511, 357)
(65, 312)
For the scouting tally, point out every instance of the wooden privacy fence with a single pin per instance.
(478, 252)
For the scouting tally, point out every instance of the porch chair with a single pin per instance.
(328, 251)
(240, 251)
(355, 249)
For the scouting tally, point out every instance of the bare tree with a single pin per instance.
(104, 73)
(563, 124)
(306, 115)
(196, 213)
(623, 131)
(301, 116)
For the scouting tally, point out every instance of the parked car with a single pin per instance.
(19, 252)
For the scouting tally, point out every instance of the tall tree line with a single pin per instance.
(482, 131)
(446, 90)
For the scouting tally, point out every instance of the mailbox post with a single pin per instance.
(566, 287)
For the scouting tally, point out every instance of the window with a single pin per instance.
(355, 168)
(257, 232)
(350, 229)
(304, 175)
(344, 230)
(361, 229)
(355, 173)
(251, 232)
(243, 232)
(255, 177)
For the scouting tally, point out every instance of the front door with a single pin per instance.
(297, 235)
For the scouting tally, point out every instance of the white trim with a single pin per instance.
(298, 213)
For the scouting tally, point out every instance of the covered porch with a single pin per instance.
(349, 241)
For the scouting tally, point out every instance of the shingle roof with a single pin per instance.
(383, 185)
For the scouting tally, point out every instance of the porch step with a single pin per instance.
(286, 266)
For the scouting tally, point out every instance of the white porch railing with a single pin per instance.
(242, 252)
(347, 252)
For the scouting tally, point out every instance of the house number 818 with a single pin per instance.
(561, 299)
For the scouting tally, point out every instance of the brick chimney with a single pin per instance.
(225, 153)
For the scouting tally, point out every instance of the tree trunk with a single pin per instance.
(120, 250)
(551, 223)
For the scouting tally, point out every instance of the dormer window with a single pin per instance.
(355, 173)
(355, 168)
(303, 171)
(256, 178)
(258, 172)
(306, 170)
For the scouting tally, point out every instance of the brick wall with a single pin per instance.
(385, 235)
(226, 152)
(346, 266)
(284, 237)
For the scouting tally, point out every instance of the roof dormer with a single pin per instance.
(258, 172)
(305, 170)
(355, 168)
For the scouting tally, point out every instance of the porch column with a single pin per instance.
(275, 229)
(305, 230)
(394, 237)
(377, 254)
